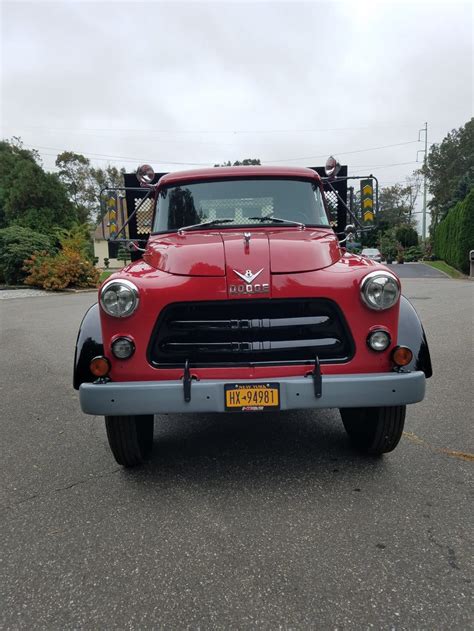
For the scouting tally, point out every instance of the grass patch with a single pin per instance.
(105, 274)
(444, 267)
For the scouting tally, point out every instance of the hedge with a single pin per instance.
(16, 245)
(454, 236)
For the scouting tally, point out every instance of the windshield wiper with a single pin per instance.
(214, 222)
(278, 220)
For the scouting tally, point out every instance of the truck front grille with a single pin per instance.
(243, 332)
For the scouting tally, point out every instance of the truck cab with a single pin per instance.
(244, 299)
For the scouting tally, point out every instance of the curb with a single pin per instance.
(68, 290)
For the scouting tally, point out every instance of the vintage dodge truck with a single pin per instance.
(244, 299)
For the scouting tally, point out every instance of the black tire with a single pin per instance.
(130, 438)
(375, 431)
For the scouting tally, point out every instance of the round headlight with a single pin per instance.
(119, 298)
(378, 340)
(380, 290)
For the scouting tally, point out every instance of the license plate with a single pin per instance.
(252, 397)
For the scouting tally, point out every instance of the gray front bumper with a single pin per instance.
(338, 391)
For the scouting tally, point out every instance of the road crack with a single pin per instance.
(59, 489)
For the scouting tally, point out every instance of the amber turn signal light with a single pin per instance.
(402, 355)
(100, 366)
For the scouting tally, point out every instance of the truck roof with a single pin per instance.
(213, 173)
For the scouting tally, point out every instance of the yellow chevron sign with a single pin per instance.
(111, 203)
(367, 200)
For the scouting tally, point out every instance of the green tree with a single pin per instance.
(123, 255)
(450, 171)
(388, 245)
(240, 163)
(406, 235)
(84, 182)
(396, 204)
(454, 236)
(29, 196)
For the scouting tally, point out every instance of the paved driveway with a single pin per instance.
(416, 270)
(236, 523)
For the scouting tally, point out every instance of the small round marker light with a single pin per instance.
(123, 347)
(100, 366)
(378, 340)
(402, 355)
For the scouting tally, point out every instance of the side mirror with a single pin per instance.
(350, 229)
(145, 175)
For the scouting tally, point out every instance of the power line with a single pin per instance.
(210, 131)
(381, 166)
(345, 153)
(102, 156)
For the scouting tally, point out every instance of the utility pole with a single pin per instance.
(425, 151)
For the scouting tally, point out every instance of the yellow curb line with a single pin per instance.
(461, 455)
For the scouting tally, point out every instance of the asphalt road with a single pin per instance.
(237, 522)
(416, 270)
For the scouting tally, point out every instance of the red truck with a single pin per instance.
(244, 299)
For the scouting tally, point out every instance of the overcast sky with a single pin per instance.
(177, 84)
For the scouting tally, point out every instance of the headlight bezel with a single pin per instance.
(121, 339)
(118, 282)
(368, 279)
(370, 337)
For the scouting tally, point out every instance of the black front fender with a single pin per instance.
(88, 345)
(412, 334)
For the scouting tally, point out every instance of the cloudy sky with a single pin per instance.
(179, 84)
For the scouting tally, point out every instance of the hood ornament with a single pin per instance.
(247, 236)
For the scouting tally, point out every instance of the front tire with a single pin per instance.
(375, 431)
(130, 438)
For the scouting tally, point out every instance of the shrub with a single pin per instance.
(454, 236)
(76, 238)
(65, 269)
(123, 255)
(407, 236)
(415, 253)
(388, 246)
(16, 245)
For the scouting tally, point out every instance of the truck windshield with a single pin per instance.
(239, 202)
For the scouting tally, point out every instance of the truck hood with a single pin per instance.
(215, 253)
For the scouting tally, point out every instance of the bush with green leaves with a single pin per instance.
(406, 235)
(16, 245)
(454, 236)
(69, 267)
(414, 253)
(123, 254)
(388, 246)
